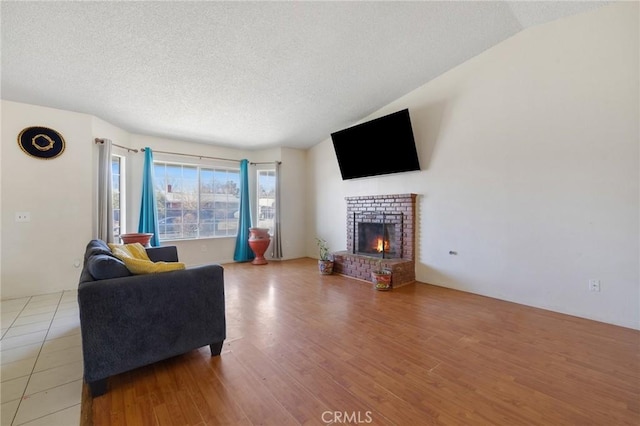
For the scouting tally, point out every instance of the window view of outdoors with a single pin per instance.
(196, 202)
(266, 199)
(116, 184)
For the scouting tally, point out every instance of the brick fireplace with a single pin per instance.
(380, 228)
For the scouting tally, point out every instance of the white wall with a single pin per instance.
(530, 170)
(40, 256)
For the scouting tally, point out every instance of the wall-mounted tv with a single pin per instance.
(381, 146)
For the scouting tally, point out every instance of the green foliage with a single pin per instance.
(380, 268)
(323, 248)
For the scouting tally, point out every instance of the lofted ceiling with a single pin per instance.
(245, 74)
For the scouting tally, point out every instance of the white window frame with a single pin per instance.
(122, 215)
(265, 209)
(217, 224)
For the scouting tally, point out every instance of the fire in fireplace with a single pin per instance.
(377, 234)
(377, 239)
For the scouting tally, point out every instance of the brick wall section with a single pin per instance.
(359, 266)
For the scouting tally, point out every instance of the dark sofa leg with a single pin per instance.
(216, 348)
(99, 387)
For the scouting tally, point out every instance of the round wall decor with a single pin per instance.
(41, 142)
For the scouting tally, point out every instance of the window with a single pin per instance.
(117, 191)
(266, 199)
(196, 201)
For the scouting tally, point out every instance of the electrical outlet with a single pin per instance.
(23, 217)
(594, 285)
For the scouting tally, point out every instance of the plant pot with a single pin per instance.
(259, 241)
(381, 280)
(325, 267)
(142, 238)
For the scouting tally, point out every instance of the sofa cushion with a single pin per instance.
(105, 266)
(96, 247)
(137, 261)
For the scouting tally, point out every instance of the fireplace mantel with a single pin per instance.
(360, 266)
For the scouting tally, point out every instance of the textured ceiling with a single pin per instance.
(245, 74)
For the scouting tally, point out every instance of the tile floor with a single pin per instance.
(41, 360)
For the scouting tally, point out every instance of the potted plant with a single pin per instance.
(381, 277)
(325, 263)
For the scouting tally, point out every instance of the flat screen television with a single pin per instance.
(381, 146)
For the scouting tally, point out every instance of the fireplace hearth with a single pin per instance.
(380, 228)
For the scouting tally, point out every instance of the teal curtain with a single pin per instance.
(243, 252)
(148, 222)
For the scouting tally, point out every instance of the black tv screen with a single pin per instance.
(378, 147)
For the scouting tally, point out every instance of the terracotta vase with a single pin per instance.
(141, 238)
(259, 241)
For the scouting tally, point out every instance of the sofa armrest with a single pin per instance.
(163, 254)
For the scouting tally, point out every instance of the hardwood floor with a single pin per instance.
(303, 348)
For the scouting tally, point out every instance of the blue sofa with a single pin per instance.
(128, 321)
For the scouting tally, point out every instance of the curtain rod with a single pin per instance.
(194, 155)
(98, 140)
(211, 158)
(267, 162)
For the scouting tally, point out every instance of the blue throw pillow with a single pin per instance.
(104, 266)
